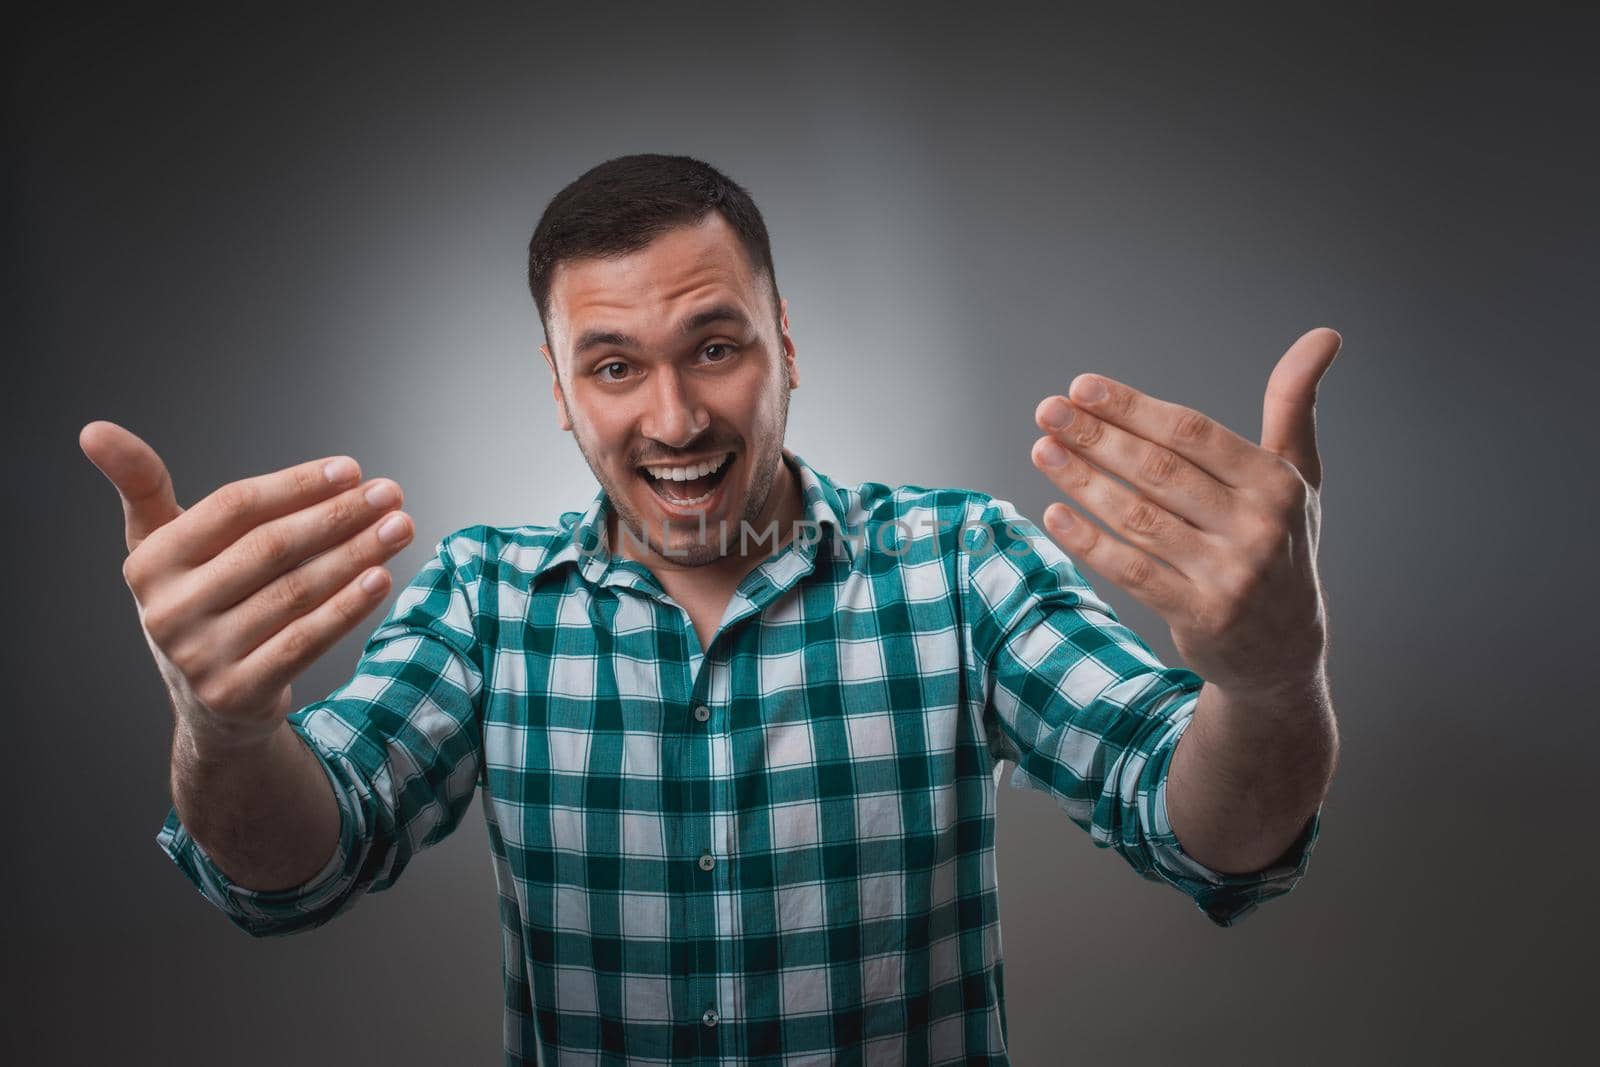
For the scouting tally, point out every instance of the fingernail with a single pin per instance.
(1056, 414)
(1052, 454)
(1060, 518)
(372, 581)
(343, 469)
(393, 529)
(1089, 390)
(382, 494)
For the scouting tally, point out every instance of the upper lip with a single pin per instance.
(684, 462)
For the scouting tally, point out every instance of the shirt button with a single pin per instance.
(707, 861)
(702, 713)
(710, 1017)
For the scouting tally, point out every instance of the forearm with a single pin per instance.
(1249, 772)
(265, 813)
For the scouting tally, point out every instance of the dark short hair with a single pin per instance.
(623, 204)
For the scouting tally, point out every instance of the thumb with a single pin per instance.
(1289, 412)
(137, 472)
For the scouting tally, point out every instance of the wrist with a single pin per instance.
(204, 738)
(1278, 693)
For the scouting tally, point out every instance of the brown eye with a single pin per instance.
(727, 353)
(606, 369)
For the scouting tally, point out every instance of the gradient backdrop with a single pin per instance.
(274, 237)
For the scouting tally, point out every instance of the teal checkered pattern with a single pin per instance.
(779, 849)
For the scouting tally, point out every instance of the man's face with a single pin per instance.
(673, 377)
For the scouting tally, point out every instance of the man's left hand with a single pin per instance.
(1220, 534)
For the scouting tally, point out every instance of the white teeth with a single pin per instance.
(684, 474)
(701, 499)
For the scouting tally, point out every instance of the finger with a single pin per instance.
(1289, 410)
(277, 547)
(1197, 437)
(296, 594)
(140, 477)
(1158, 587)
(1158, 472)
(287, 654)
(1129, 514)
(235, 509)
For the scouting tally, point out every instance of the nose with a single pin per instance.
(676, 416)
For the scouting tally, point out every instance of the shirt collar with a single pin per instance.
(587, 545)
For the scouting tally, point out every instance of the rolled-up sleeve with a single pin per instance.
(1087, 713)
(400, 742)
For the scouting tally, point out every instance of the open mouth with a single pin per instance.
(687, 485)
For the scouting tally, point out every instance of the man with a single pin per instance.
(739, 728)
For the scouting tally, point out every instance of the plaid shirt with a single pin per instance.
(776, 850)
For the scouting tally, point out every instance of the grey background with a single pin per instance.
(265, 239)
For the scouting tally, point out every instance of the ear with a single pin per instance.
(562, 417)
(788, 345)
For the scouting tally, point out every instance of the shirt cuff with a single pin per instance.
(1225, 898)
(263, 913)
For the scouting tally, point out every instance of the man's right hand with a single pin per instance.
(243, 591)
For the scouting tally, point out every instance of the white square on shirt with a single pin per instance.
(646, 998)
(572, 676)
(794, 825)
(572, 909)
(505, 746)
(925, 581)
(878, 815)
(788, 744)
(800, 907)
(944, 960)
(572, 610)
(937, 652)
(575, 990)
(882, 896)
(782, 670)
(1085, 680)
(885, 1050)
(511, 671)
(944, 1039)
(636, 679)
(633, 614)
(641, 755)
(328, 728)
(566, 829)
(805, 991)
(1032, 645)
(644, 915)
(569, 750)
(939, 725)
(870, 735)
(642, 834)
(881, 977)
(861, 661)
(944, 807)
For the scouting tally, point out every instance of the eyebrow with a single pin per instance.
(700, 319)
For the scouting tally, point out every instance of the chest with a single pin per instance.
(833, 705)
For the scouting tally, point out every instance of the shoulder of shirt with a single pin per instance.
(876, 500)
(532, 549)
(869, 506)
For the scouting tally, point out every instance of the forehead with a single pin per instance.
(645, 291)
